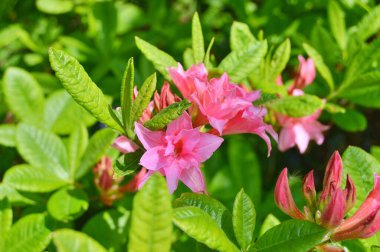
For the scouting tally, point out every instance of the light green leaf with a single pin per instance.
(351, 120)
(371, 242)
(292, 235)
(199, 225)
(240, 63)
(279, 60)
(240, 36)
(15, 198)
(68, 240)
(167, 115)
(244, 220)
(297, 106)
(6, 216)
(320, 65)
(80, 86)
(151, 226)
(109, 228)
(126, 95)
(363, 90)
(188, 58)
(361, 167)
(143, 97)
(63, 114)
(337, 23)
(369, 24)
(76, 146)
(55, 6)
(207, 56)
(43, 149)
(97, 146)
(23, 95)
(334, 108)
(160, 59)
(33, 179)
(269, 222)
(197, 40)
(29, 234)
(67, 204)
(8, 135)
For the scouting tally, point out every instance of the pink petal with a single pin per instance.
(182, 122)
(302, 137)
(154, 159)
(143, 179)
(206, 146)
(308, 190)
(193, 178)
(217, 124)
(287, 139)
(149, 139)
(172, 174)
(124, 145)
(333, 212)
(333, 174)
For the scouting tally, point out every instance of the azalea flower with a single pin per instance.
(177, 152)
(166, 97)
(226, 106)
(333, 203)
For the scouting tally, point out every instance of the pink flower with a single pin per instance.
(166, 97)
(299, 131)
(226, 106)
(177, 152)
(306, 74)
(124, 145)
(334, 203)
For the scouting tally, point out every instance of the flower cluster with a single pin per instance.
(299, 131)
(333, 203)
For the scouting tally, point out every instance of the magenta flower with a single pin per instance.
(226, 106)
(177, 152)
(333, 203)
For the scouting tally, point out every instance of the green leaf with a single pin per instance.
(240, 36)
(363, 90)
(76, 146)
(23, 95)
(240, 63)
(361, 167)
(109, 228)
(67, 204)
(6, 216)
(207, 56)
(279, 60)
(297, 106)
(244, 219)
(292, 235)
(371, 241)
(33, 179)
(15, 198)
(151, 227)
(8, 135)
(167, 115)
(334, 108)
(351, 120)
(320, 65)
(211, 206)
(337, 23)
(43, 149)
(269, 222)
(97, 146)
(199, 225)
(143, 97)
(160, 59)
(55, 6)
(369, 24)
(68, 240)
(80, 86)
(28, 234)
(197, 40)
(126, 95)
(188, 57)
(62, 114)
(129, 165)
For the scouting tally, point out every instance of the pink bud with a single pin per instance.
(283, 197)
(306, 74)
(308, 190)
(350, 193)
(333, 213)
(166, 97)
(333, 177)
(124, 145)
(103, 173)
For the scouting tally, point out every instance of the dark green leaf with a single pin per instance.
(127, 94)
(129, 164)
(369, 24)
(351, 120)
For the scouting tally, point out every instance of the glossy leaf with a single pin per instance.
(197, 40)
(76, 146)
(240, 63)
(292, 235)
(244, 220)
(126, 95)
(199, 225)
(143, 98)
(8, 135)
(68, 240)
(67, 204)
(6, 216)
(269, 222)
(80, 86)
(151, 227)
(279, 60)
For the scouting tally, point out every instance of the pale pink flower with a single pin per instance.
(177, 152)
(299, 131)
(124, 145)
(305, 75)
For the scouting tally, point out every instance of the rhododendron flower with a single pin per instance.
(226, 106)
(124, 145)
(166, 97)
(305, 75)
(177, 152)
(333, 203)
